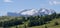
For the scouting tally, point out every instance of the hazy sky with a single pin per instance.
(18, 5)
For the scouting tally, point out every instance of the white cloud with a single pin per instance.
(8, 1)
(54, 2)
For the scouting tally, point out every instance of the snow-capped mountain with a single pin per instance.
(30, 12)
(44, 11)
(33, 12)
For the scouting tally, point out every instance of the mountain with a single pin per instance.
(44, 11)
(13, 14)
(32, 12)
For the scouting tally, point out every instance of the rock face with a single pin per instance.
(33, 12)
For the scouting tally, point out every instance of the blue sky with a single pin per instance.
(18, 5)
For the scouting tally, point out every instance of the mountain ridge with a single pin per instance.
(33, 12)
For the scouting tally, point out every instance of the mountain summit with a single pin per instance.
(30, 12)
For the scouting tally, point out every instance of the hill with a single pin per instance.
(50, 24)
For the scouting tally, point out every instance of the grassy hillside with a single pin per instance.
(50, 24)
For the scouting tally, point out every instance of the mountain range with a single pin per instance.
(32, 12)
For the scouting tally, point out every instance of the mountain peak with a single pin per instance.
(29, 12)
